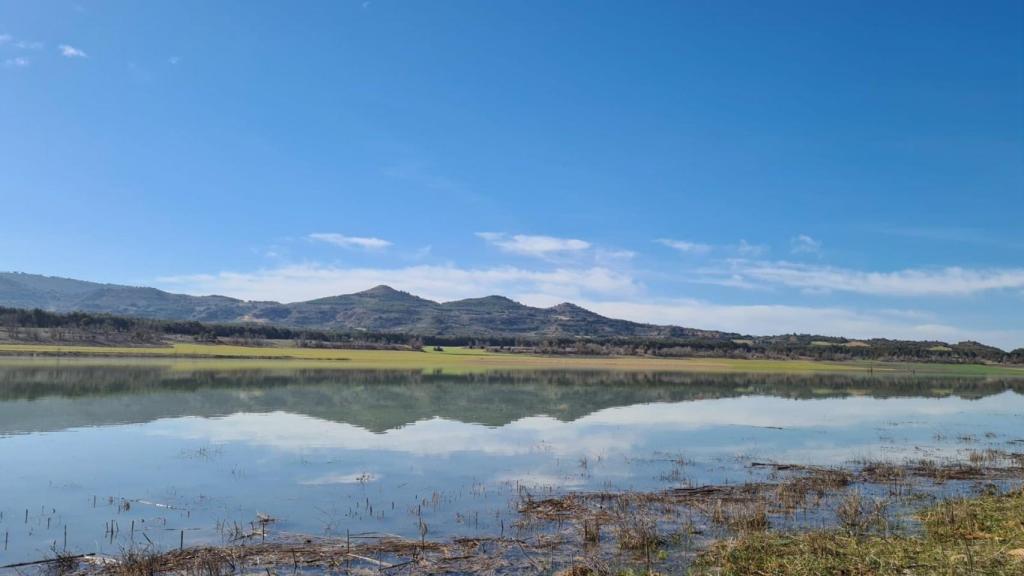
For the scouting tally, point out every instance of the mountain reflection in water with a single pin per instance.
(37, 399)
(182, 452)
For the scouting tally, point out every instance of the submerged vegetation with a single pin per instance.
(981, 535)
(722, 530)
(955, 503)
(875, 524)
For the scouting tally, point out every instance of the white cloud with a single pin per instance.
(749, 250)
(71, 52)
(953, 281)
(602, 290)
(535, 246)
(308, 281)
(174, 60)
(613, 257)
(605, 291)
(782, 319)
(353, 478)
(804, 244)
(744, 248)
(685, 246)
(350, 241)
(16, 62)
(6, 39)
(609, 433)
(716, 278)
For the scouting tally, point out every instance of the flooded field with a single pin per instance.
(107, 459)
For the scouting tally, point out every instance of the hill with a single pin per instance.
(379, 310)
(46, 309)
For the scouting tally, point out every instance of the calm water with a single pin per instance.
(184, 452)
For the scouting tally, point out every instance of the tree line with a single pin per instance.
(40, 325)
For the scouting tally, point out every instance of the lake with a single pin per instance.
(104, 457)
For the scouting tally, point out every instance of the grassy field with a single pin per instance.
(983, 535)
(458, 360)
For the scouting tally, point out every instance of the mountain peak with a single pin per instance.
(386, 293)
(485, 303)
(496, 298)
(380, 290)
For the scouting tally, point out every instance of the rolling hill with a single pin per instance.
(379, 309)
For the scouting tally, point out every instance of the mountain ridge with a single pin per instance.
(377, 309)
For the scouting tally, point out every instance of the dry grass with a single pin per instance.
(367, 556)
(636, 527)
(980, 465)
(745, 514)
(961, 537)
(614, 533)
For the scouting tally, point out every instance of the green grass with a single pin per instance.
(851, 344)
(983, 535)
(457, 359)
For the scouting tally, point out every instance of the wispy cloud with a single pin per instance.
(804, 244)
(69, 51)
(685, 246)
(308, 281)
(173, 60)
(743, 248)
(952, 281)
(613, 257)
(535, 246)
(614, 294)
(748, 250)
(9, 40)
(16, 62)
(365, 243)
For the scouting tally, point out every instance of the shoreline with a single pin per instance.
(455, 360)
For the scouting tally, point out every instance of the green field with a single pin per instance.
(455, 360)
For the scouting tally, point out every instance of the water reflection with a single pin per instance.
(35, 399)
(325, 452)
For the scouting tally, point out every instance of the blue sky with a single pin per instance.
(845, 168)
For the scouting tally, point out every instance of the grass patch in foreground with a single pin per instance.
(983, 535)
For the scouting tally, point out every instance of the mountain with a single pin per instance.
(379, 309)
(18, 290)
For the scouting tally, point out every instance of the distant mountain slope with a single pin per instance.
(66, 295)
(379, 309)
